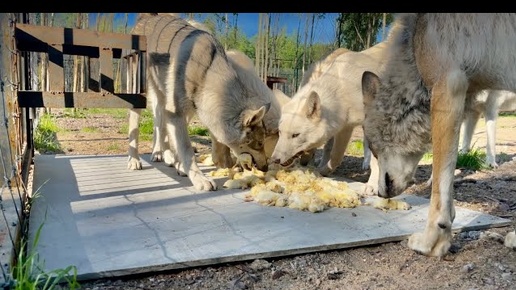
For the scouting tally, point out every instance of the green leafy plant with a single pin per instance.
(473, 159)
(427, 157)
(29, 274)
(45, 135)
(356, 148)
(28, 271)
(198, 130)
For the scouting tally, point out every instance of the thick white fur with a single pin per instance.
(436, 62)
(327, 107)
(337, 81)
(188, 74)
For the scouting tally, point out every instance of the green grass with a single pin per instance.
(89, 129)
(474, 159)
(28, 271)
(113, 147)
(83, 113)
(45, 139)
(116, 113)
(356, 148)
(146, 126)
(198, 130)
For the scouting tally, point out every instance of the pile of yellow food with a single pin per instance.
(204, 159)
(298, 188)
(390, 204)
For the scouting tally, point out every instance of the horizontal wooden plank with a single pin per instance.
(90, 51)
(39, 99)
(26, 33)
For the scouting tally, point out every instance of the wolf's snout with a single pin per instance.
(390, 190)
(264, 167)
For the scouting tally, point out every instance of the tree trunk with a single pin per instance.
(305, 41)
(296, 64)
(383, 25)
(258, 48)
(266, 47)
(311, 39)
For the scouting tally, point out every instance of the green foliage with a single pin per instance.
(356, 148)
(45, 139)
(146, 126)
(198, 130)
(113, 147)
(75, 114)
(89, 129)
(473, 159)
(358, 30)
(29, 273)
(427, 157)
(116, 113)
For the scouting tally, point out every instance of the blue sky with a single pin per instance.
(324, 29)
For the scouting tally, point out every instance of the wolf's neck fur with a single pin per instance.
(403, 98)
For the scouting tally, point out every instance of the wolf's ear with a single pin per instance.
(313, 106)
(370, 86)
(253, 117)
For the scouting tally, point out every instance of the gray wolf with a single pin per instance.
(246, 72)
(488, 103)
(188, 74)
(327, 107)
(435, 64)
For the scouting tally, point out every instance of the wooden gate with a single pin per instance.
(98, 47)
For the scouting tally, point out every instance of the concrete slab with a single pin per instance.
(109, 221)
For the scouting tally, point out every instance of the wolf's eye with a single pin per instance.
(295, 135)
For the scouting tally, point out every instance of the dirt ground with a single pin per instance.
(476, 260)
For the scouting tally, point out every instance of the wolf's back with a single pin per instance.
(174, 46)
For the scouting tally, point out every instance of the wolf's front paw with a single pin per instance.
(157, 156)
(134, 164)
(325, 170)
(431, 242)
(510, 240)
(371, 189)
(201, 182)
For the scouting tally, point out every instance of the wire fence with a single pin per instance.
(16, 148)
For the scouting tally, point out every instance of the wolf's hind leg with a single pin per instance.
(179, 142)
(159, 132)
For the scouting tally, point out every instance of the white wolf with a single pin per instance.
(313, 73)
(436, 63)
(188, 74)
(327, 107)
(488, 103)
